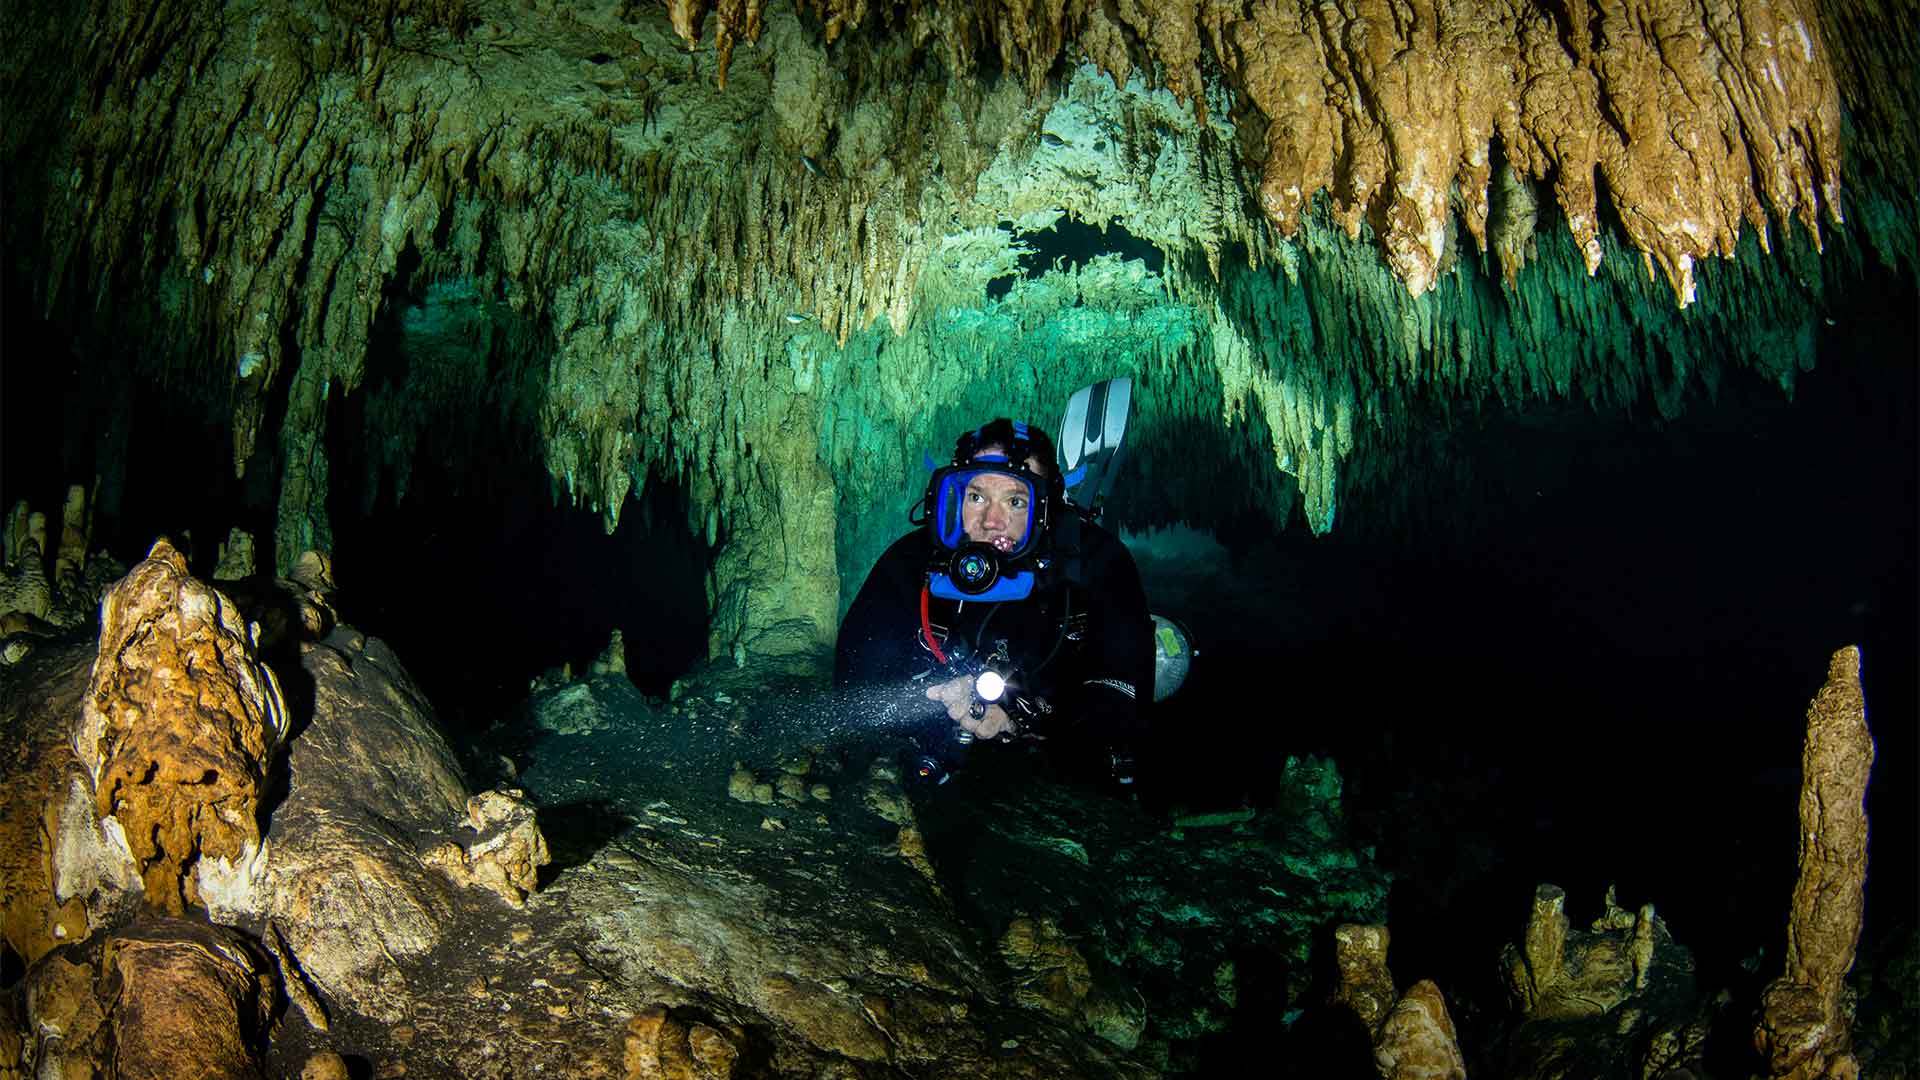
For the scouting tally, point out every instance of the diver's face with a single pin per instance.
(995, 510)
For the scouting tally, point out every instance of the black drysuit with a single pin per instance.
(1083, 638)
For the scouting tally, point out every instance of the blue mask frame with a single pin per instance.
(947, 498)
(958, 559)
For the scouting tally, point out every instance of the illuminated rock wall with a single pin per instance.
(492, 224)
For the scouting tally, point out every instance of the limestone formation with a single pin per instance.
(571, 708)
(158, 999)
(372, 785)
(1050, 974)
(1413, 1036)
(24, 587)
(325, 1065)
(42, 596)
(660, 1047)
(179, 728)
(688, 941)
(508, 850)
(1618, 995)
(1367, 104)
(613, 659)
(1366, 986)
(63, 872)
(76, 527)
(750, 270)
(1416, 1039)
(236, 557)
(1807, 1011)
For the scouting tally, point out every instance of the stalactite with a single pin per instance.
(675, 263)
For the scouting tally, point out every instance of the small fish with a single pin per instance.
(812, 165)
(1052, 140)
(798, 318)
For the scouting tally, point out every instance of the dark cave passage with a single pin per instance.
(481, 592)
(1069, 244)
(1603, 678)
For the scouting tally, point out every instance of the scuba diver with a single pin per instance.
(1012, 608)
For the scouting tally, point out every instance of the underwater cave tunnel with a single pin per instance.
(483, 572)
(1550, 640)
(1613, 622)
(1576, 649)
(1070, 243)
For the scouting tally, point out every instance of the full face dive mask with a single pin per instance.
(967, 569)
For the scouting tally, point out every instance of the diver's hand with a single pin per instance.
(957, 695)
(992, 724)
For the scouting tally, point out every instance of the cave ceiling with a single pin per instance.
(779, 253)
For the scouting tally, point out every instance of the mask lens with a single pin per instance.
(1009, 495)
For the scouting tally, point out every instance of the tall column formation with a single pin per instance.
(178, 727)
(774, 590)
(1805, 1014)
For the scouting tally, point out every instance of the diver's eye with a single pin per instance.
(975, 497)
(1018, 502)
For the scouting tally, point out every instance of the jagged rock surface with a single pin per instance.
(506, 852)
(40, 599)
(1012, 912)
(178, 729)
(1617, 999)
(1366, 986)
(61, 874)
(158, 999)
(1417, 1040)
(372, 786)
(1702, 119)
(697, 933)
(566, 227)
(1807, 1013)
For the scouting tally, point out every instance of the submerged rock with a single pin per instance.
(158, 999)
(1617, 999)
(1806, 1020)
(178, 730)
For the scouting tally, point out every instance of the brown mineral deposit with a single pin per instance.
(179, 726)
(506, 853)
(1540, 966)
(1366, 986)
(1803, 1029)
(158, 999)
(1053, 976)
(1417, 1040)
(325, 1065)
(660, 1047)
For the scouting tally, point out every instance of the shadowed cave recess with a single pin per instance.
(1515, 515)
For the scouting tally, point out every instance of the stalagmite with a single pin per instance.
(1412, 1034)
(1417, 1040)
(179, 727)
(1366, 986)
(158, 999)
(1806, 1012)
(70, 558)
